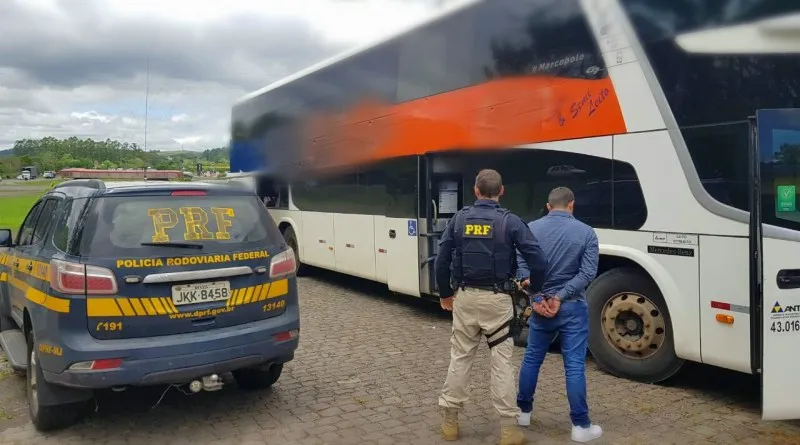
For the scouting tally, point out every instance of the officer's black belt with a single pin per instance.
(483, 287)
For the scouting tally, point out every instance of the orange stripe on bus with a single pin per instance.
(495, 114)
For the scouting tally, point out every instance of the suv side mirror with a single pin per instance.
(6, 238)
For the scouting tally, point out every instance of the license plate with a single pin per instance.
(183, 294)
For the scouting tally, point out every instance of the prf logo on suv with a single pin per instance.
(121, 285)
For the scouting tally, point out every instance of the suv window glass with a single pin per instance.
(26, 231)
(47, 213)
(67, 229)
(118, 226)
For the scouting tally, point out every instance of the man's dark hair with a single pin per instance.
(559, 197)
(489, 182)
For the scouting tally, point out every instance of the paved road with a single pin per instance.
(368, 371)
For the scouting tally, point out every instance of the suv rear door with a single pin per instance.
(166, 262)
(29, 273)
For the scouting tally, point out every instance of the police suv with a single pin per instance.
(130, 284)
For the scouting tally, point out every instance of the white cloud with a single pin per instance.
(79, 67)
(344, 21)
(89, 116)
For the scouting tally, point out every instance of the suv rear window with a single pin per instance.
(128, 226)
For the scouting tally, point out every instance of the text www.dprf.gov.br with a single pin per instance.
(203, 313)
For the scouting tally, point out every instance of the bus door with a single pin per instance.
(442, 193)
(775, 259)
(402, 254)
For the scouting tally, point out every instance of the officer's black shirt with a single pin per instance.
(517, 234)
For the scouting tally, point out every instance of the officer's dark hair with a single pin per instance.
(489, 182)
(559, 197)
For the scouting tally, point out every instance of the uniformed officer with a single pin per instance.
(479, 243)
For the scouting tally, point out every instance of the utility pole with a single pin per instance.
(147, 97)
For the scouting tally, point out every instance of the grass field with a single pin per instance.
(37, 183)
(14, 208)
(17, 198)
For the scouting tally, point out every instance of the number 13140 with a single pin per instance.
(274, 306)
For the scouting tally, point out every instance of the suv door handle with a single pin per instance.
(788, 279)
(392, 234)
(16, 263)
(29, 266)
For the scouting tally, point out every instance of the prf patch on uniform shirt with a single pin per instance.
(478, 230)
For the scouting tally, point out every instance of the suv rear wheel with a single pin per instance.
(258, 378)
(50, 417)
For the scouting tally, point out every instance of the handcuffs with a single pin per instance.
(532, 298)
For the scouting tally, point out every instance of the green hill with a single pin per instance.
(56, 154)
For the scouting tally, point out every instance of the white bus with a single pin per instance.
(670, 120)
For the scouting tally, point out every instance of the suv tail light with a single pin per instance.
(283, 264)
(286, 335)
(97, 365)
(78, 279)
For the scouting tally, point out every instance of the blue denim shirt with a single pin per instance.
(572, 253)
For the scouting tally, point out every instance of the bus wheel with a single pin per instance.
(630, 327)
(291, 240)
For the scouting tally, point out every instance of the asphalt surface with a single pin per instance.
(369, 370)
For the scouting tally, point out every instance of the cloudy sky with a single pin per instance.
(79, 67)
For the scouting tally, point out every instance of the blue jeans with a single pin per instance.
(572, 323)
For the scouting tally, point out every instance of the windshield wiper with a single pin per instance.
(171, 244)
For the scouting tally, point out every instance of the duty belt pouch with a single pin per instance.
(517, 323)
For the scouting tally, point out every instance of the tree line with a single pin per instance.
(52, 154)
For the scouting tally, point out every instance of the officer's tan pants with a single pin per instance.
(476, 314)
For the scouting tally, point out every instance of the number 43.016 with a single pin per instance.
(785, 326)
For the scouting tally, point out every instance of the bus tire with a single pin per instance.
(630, 329)
(291, 240)
(257, 378)
(47, 417)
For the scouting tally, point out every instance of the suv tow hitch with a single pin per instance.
(211, 382)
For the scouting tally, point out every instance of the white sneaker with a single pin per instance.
(580, 434)
(524, 419)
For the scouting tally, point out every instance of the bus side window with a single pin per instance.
(274, 194)
(282, 196)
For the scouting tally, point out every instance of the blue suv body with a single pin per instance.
(130, 284)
